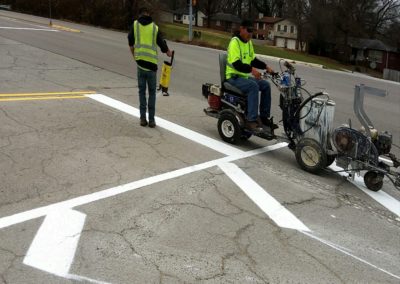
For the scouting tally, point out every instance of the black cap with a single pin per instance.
(247, 23)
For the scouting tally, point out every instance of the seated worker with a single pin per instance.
(241, 62)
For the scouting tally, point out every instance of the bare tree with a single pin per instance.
(298, 11)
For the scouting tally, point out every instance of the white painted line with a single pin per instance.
(84, 279)
(346, 252)
(175, 128)
(28, 29)
(279, 214)
(85, 199)
(53, 248)
(381, 197)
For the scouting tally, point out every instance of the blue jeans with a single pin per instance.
(251, 87)
(149, 77)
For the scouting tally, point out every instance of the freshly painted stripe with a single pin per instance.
(42, 98)
(28, 29)
(85, 199)
(46, 94)
(175, 128)
(346, 252)
(53, 248)
(381, 197)
(278, 213)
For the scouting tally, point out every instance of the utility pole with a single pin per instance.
(50, 21)
(190, 20)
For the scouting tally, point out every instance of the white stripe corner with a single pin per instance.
(269, 205)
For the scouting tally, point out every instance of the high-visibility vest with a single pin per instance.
(145, 42)
(238, 50)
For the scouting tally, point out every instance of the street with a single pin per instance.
(88, 195)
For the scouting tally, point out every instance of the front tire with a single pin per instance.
(310, 155)
(229, 128)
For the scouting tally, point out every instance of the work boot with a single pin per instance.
(152, 124)
(143, 122)
(269, 122)
(253, 126)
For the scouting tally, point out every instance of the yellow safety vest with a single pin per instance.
(145, 42)
(238, 50)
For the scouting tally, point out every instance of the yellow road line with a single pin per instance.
(47, 94)
(42, 98)
(65, 29)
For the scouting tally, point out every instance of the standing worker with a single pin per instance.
(241, 62)
(143, 37)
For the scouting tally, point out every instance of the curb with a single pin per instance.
(292, 61)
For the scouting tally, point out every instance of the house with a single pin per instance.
(285, 34)
(225, 22)
(182, 16)
(373, 53)
(264, 27)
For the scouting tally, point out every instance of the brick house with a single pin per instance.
(264, 27)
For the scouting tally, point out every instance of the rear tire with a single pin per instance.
(373, 180)
(310, 155)
(229, 128)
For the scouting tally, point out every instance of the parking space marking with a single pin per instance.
(281, 216)
(53, 248)
(380, 196)
(346, 252)
(103, 194)
(170, 126)
(269, 205)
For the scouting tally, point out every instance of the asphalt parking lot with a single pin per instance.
(90, 195)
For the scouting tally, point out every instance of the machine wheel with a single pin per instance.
(373, 180)
(229, 128)
(310, 155)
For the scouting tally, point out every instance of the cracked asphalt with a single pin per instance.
(196, 228)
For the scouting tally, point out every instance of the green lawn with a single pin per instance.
(220, 40)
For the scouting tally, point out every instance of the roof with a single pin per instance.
(268, 20)
(226, 17)
(364, 43)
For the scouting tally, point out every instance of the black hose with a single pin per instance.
(297, 112)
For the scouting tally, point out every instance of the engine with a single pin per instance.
(354, 144)
(383, 143)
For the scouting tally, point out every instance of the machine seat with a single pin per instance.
(225, 85)
(232, 89)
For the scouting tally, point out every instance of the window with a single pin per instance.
(278, 28)
(292, 29)
(375, 56)
(285, 28)
(184, 17)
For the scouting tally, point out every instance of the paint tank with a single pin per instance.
(316, 120)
